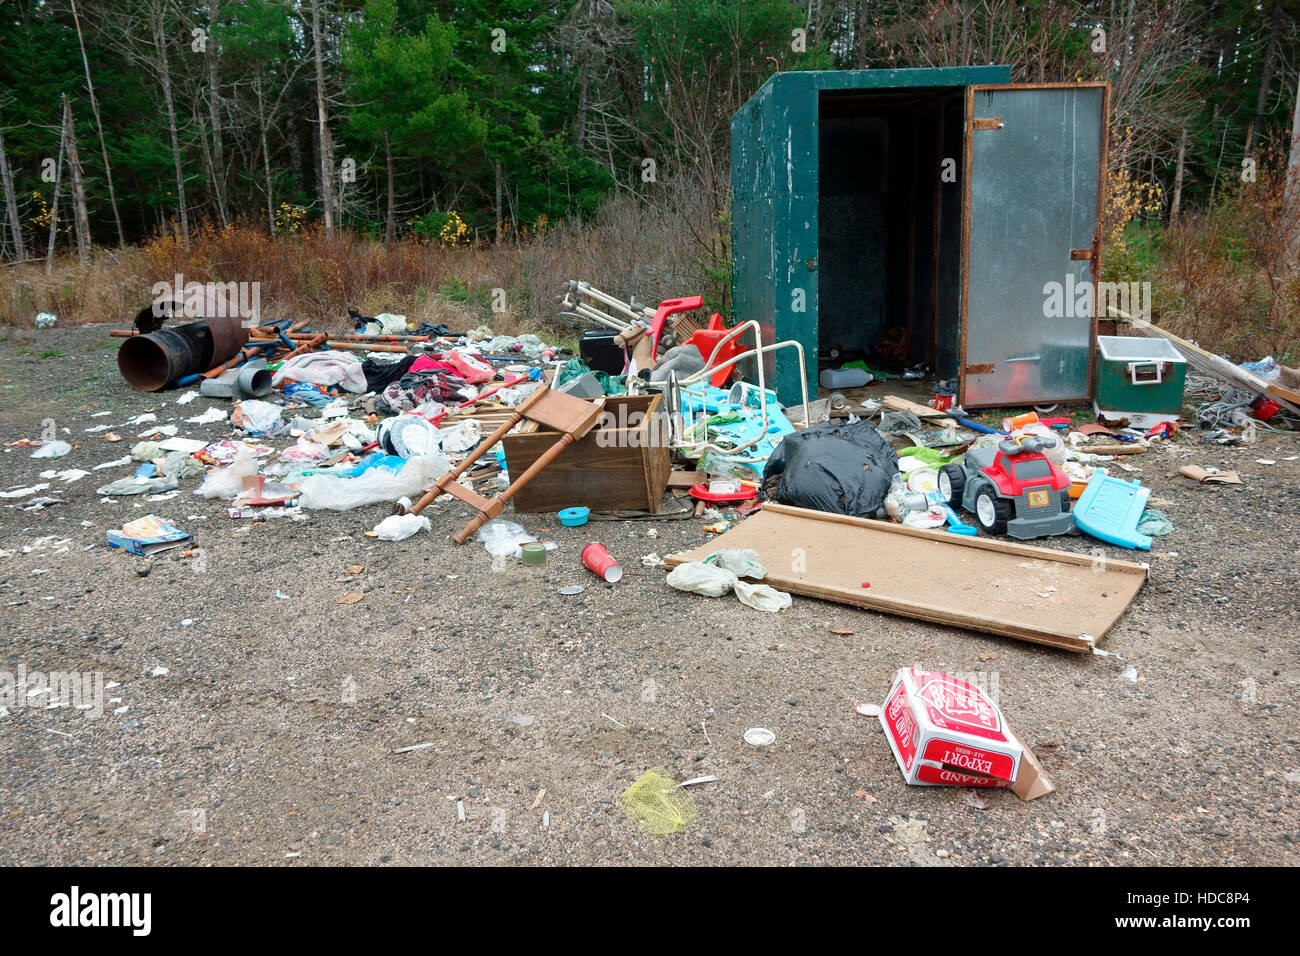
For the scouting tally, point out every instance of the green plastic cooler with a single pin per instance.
(1140, 379)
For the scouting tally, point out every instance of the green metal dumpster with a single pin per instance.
(925, 215)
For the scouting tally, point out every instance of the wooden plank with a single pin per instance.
(923, 412)
(685, 479)
(562, 413)
(1057, 598)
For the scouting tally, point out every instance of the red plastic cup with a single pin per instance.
(599, 561)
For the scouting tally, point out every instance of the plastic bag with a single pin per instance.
(501, 538)
(374, 485)
(400, 527)
(177, 464)
(742, 563)
(146, 451)
(305, 450)
(137, 486)
(52, 449)
(1154, 523)
(700, 578)
(227, 483)
(842, 469)
(257, 418)
(899, 423)
(761, 597)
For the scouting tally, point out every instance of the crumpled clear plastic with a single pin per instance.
(501, 538)
(371, 486)
(460, 437)
(227, 483)
(744, 563)
(257, 417)
(700, 578)
(135, 486)
(761, 597)
(400, 527)
(52, 449)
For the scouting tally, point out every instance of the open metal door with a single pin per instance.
(1035, 161)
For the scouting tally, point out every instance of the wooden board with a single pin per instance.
(923, 412)
(1036, 594)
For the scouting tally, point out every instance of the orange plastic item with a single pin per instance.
(1020, 421)
(706, 340)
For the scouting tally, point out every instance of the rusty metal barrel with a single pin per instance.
(160, 356)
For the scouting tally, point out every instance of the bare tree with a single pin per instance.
(325, 141)
(11, 202)
(158, 28)
(99, 126)
(80, 219)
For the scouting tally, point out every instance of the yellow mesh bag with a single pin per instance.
(657, 805)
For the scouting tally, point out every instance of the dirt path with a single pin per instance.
(269, 738)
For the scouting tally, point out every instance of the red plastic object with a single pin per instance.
(1003, 476)
(706, 340)
(1265, 408)
(702, 493)
(942, 403)
(671, 307)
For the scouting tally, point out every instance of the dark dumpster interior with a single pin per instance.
(889, 228)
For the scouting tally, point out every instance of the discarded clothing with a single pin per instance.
(416, 388)
(334, 367)
(379, 375)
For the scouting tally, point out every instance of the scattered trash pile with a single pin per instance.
(870, 500)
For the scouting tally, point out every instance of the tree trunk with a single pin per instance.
(214, 117)
(1176, 206)
(99, 126)
(80, 218)
(165, 78)
(390, 226)
(498, 202)
(1256, 129)
(266, 155)
(326, 149)
(1292, 196)
(11, 203)
(54, 205)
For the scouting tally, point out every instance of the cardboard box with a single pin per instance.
(946, 732)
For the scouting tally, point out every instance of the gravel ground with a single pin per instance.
(540, 708)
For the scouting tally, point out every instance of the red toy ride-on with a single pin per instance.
(1014, 489)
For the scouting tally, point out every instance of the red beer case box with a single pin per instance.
(946, 732)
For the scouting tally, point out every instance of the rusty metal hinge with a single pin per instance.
(985, 369)
(991, 122)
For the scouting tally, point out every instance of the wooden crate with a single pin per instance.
(610, 468)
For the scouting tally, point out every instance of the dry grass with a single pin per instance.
(628, 249)
(1225, 278)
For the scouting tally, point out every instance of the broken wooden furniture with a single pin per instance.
(567, 418)
(622, 464)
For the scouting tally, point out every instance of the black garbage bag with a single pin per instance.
(841, 468)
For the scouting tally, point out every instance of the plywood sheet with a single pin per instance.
(1052, 597)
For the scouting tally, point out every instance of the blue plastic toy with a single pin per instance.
(1110, 509)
